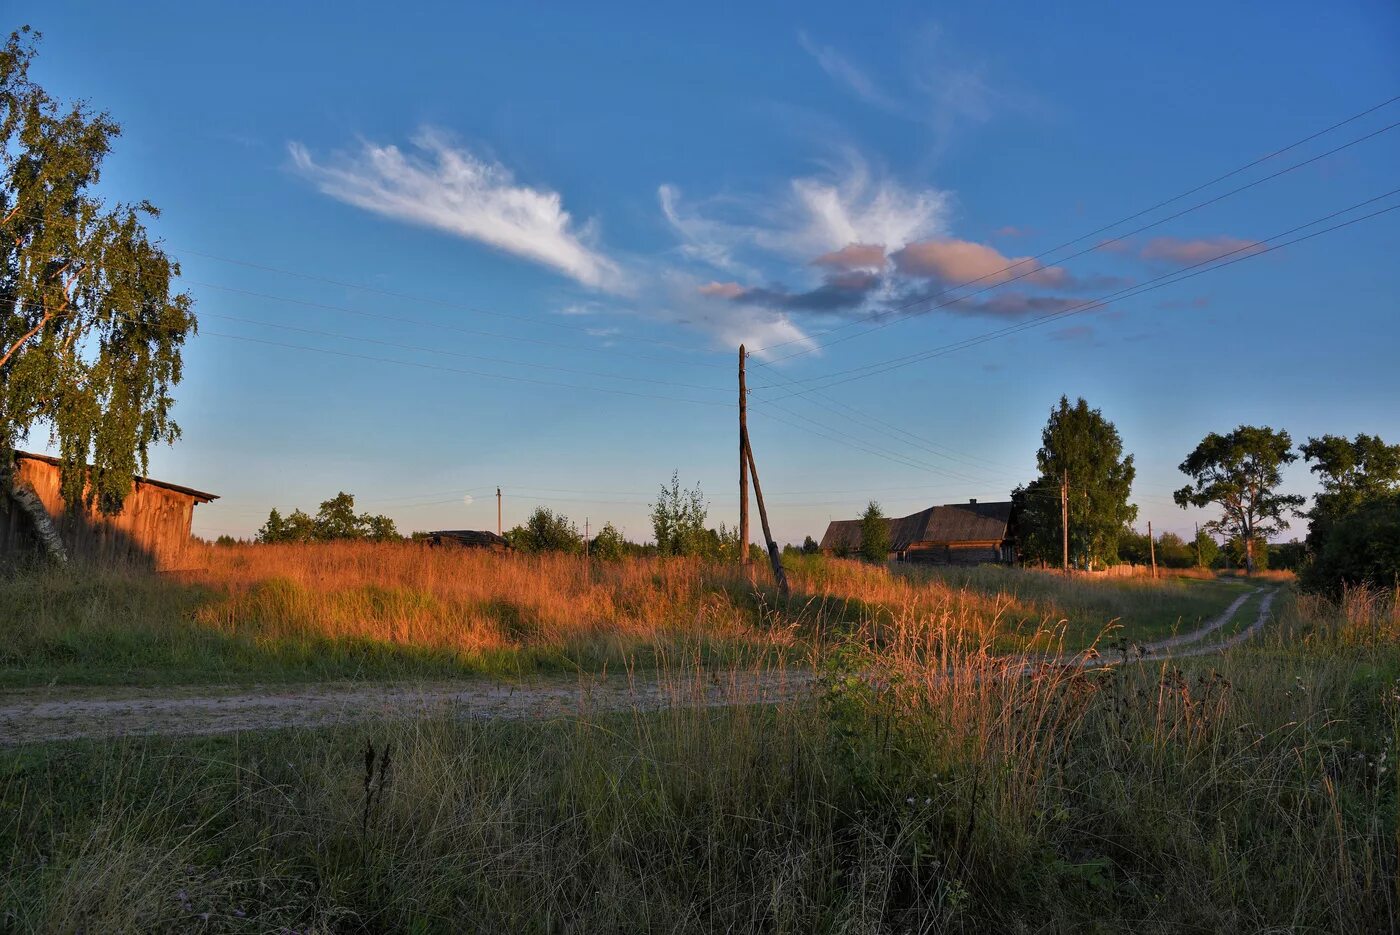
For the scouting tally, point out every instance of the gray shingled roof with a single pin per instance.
(480, 538)
(953, 522)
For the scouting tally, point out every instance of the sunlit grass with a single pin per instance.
(362, 610)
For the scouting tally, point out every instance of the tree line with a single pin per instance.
(1354, 523)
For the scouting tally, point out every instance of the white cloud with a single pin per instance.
(816, 215)
(446, 187)
(842, 70)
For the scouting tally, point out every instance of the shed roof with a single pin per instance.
(477, 537)
(198, 495)
(952, 522)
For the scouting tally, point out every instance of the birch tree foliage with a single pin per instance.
(91, 328)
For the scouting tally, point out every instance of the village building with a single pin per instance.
(152, 529)
(969, 533)
(469, 539)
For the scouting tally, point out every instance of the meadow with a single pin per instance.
(924, 787)
(254, 614)
(930, 781)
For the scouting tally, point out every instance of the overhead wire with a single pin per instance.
(477, 373)
(1100, 230)
(1250, 251)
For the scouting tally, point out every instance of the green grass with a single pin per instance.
(1243, 794)
(1138, 609)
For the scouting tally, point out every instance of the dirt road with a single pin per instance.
(38, 715)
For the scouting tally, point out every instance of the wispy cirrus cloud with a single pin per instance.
(843, 71)
(936, 85)
(442, 185)
(849, 204)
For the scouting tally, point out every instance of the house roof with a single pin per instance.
(478, 537)
(952, 522)
(198, 495)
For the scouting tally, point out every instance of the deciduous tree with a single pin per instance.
(1352, 472)
(678, 519)
(91, 328)
(546, 531)
(609, 545)
(1240, 473)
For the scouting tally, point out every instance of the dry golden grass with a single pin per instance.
(338, 610)
(463, 600)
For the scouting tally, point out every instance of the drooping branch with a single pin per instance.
(14, 348)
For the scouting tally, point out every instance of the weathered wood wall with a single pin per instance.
(153, 528)
(956, 553)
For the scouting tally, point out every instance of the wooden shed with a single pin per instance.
(969, 533)
(469, 539)
(153, 528)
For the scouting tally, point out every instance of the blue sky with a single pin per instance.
(560, 221)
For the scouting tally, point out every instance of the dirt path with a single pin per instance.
(39, 715)
(63, 714)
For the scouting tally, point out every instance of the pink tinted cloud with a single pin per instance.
(962, 261)
(862, 256)
(1201, 250)
(723, 290)
(1011, 230)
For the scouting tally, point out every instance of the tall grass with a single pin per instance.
(923, 789)
(357, 610)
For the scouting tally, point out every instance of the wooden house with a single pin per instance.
(468, 539)
(153, 528)
(969, 533)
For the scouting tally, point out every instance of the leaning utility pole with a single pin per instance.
(1152, 548)
(498, 511)
(743, 464)
(773, 556)
(1064, 518)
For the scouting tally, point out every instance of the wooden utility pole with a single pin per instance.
(773, 556)
(1198, 545)
(743, 463)
(498, 511)
(587, 556)
(1152, 548)
(1064, 519)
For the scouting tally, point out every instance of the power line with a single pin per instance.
(476, 373)
(1123, 220)
(454, 328)
(446, 353)
(420, 300)
(892, 432)
(1250, 251)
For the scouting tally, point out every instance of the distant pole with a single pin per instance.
(498, 511)
(743, 463)
(1064, 519)
(587, 552)
(1151, 548)
(763, 517)
(1198, 545)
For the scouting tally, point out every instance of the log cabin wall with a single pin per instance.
(152, 530)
